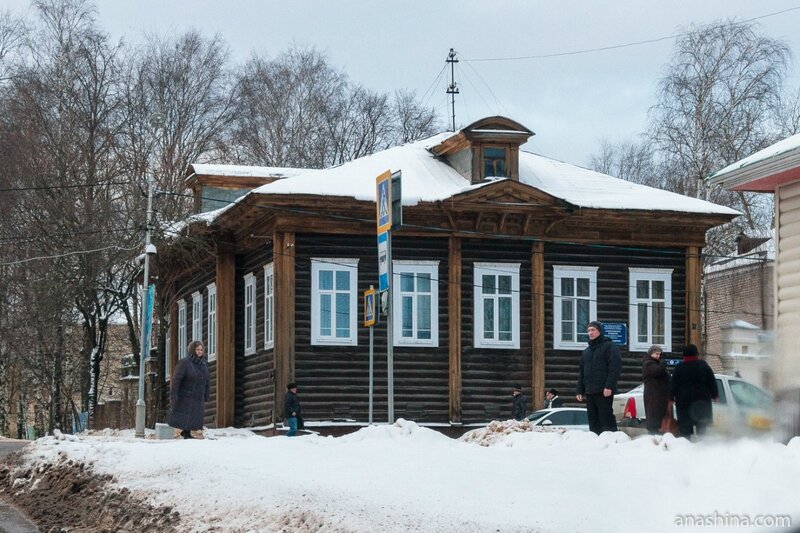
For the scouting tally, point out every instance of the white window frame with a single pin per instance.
(573, 272)
(167, 350)
(269, 306)
(650, 274)
(249, 313)
(182, 342)
(211, 349)
(512, 269)
(415, 267)
(350, 266)
(197, 316)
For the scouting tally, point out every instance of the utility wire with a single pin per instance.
(612, 47)
(58, 187)
(66, 254)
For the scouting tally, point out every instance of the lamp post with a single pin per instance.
(149, 249)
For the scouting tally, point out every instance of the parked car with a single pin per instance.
(742, 406)
(561, 417)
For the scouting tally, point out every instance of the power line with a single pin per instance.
(612, 47)
(73, 186)
(66, 254)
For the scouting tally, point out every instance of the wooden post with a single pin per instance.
(693, 287)
(454, 327)
(537, 325)
(284, 260)
(226, 331)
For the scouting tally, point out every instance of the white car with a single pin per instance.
(742, 406)
(561, 417)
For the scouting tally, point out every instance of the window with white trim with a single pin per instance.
(168, 351)
(496, 295)
(249, 314)
(650, 308)
(211, 349)
(334, 290)
(415, 291)
(197, 317)
(269, 306)
(182, 342)
(574, 305)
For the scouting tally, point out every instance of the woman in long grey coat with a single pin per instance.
(189, 391)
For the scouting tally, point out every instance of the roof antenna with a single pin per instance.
(452, 90)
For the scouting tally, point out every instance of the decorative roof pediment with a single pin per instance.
(506, 195)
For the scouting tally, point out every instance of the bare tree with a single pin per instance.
(715, 101)
(632, 161)
(714, 107)
(411, 119)
(787, 114)
(298, 111)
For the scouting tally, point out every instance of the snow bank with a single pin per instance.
(401, 477)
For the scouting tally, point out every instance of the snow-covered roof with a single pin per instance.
(247, 171)
(427, 178)
(781, 147)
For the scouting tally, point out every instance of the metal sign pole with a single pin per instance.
(390, 338)
(371, 363)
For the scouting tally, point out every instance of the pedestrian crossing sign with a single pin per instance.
(369, 308)
(384, 201)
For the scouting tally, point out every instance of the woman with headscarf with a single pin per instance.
(656, 389)
(189, 391)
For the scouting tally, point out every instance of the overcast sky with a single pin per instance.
(571, 102)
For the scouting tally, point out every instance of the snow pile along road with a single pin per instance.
(404, 477)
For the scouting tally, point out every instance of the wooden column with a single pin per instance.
(284, 260)
(537, 325)
(226, 340)
(694, 272)
(454, 327)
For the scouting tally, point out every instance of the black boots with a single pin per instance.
(186, 434)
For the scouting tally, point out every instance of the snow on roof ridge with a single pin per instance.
(779, 148)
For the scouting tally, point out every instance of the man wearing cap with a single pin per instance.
(291, 408)
(597, 379)
(519, 404)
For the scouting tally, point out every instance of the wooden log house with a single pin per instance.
(503, 258)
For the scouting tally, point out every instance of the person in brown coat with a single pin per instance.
(656, 389)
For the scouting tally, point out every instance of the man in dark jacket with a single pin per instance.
(693, 387)
(291, 408)
(552, 399)
(519, 404)
(597, 379)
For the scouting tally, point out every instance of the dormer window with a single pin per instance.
(494, 162)
(488, 148)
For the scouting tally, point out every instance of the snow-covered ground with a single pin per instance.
(405, 477)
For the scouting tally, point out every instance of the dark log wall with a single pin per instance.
(488, 375)
(199, 283)
(561, 366)
(334, 380)
(255, 386)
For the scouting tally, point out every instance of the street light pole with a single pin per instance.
(156, 121)
(148, 249)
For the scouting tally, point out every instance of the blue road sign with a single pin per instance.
(383, 261)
